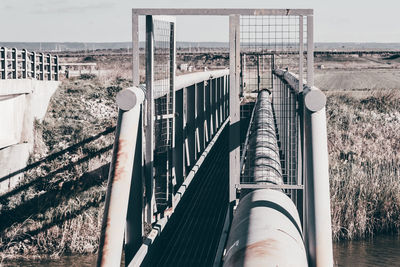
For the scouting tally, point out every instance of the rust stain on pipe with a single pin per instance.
(122, 157)
(255, 250)
(105, 246)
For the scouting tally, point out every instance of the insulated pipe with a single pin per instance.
(263, 158)
(120, 176)
(265, 231)
(266, 228)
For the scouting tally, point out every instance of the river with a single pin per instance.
(381, 251)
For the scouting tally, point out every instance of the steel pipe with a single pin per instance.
(266, 228)
(263, 155)
(265, 231)
(120, 176)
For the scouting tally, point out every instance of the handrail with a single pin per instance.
(22, 64)
(314, 98)
(200, 117)
(197, 77)
(119, 180)
(187, 80)
(315, 169)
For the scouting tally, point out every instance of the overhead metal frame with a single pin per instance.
(222, 11)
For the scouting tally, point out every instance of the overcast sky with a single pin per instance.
(110, 20)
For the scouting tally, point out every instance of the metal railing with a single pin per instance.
(300, 121)
(305, 136)
(22, 64)
(201, 113)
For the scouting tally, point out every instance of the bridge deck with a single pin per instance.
(191, 236)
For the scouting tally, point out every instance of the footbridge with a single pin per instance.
(227, 167)
(27, 82)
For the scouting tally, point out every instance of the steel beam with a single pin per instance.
(301, 51)
(221, 11)
(310, 51)
(234, 105)
(135, 49)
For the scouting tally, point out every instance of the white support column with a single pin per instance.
(234, 105)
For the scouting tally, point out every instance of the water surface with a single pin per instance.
(379, 251)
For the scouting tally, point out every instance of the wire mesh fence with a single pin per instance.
(268, 43)
(163, 32)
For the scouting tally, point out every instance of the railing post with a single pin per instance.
(41, 67)
(191, 125)
(119, 180)
(34, 65)
(49, 66)
(207, 122)
(179, 140)
(24, 64)
(57, 68)
(4, 63)
(14, 65)
(200, 117)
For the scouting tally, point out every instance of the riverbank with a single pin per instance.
(364, 141)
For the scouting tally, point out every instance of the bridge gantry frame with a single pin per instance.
(168, 125)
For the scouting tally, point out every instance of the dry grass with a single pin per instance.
(58, 208)
(364, 141)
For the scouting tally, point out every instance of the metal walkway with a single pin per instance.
(191, 236)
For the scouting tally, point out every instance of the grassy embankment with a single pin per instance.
(364, 145)
(58, 208)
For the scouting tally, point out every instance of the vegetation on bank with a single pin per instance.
(58, 208)
(364, 145)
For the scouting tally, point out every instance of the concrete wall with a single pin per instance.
(21, 101)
